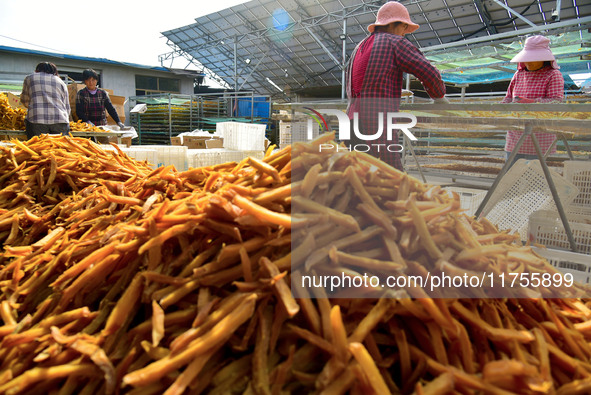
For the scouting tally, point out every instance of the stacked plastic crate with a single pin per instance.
(139, 153)
(546, 228)
(175, 155)
(242, 139)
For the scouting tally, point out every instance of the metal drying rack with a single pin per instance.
(442, 116)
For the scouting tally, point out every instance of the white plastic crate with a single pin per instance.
(254, 154)
(579, 265)
(202, 157)
(231, 156)
(522, 191)
(284, 133)
(299, 129)
(136, 152)
(170, 155)
(242, 136)
(579, 173)
(470, 198)
(142, 154)
(546, 228)
(212, 156)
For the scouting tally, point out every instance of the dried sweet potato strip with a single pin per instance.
(310, 181)
(37, 374)
(6, 313)
(157, 323)
(121, 310)
(273, 195)
(369, 368)
(281, 288)
(88, 278)
(441, 385)
(260, 375)
(423, 230)
(374, 316)
(226, 307)
(582, 386)
(189, 374)
(165, 235)
(246, 264)
(339, 334)
(265, 168)
(262, 213)
(75, 270)
(219, 333)
(339, 218)
(495, 334)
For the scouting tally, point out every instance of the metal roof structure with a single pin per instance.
(278, 47)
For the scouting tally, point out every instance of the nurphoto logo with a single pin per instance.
(344, 133)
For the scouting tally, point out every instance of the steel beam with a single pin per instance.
(330, 55)
(344, 60)
(517, 14)
(507, 63)
(585, 22)
(483, 12)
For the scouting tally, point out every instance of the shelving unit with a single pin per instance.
(168, 115)
(552, 118)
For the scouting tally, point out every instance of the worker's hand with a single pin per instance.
(123, 127)
(518, 99)
(441, 100)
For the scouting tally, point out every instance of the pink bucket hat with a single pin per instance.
(536, 49)
(390, 12)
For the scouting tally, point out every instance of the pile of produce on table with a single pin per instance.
(11, 118)
(119, 279)
(14, 119)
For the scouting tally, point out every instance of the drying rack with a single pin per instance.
(565, 120)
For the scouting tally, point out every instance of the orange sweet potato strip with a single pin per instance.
(441, 385)
(282, 289)
(265, 168)
(75, 270)
(218, 334)
(369, 368)
(262, 213)
(157, 323)
(123, 307)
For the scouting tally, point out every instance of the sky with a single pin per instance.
(120, 30)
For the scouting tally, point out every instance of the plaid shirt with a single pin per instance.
(46, 98)
(91, 107)
(542, 86)
(374, 84)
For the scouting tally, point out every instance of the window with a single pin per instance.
(71, 74)
(146, 85)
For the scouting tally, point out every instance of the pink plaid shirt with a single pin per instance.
(541, 86)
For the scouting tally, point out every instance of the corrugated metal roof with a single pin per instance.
(93, 60)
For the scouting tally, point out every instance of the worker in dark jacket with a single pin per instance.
(374, 78)
(91, 102)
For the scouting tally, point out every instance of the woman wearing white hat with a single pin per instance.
(374, 77)
(537, 80)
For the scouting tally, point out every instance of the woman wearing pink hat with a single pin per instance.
(537, 80)
(374, 77)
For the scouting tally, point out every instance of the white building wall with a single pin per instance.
(14, 67)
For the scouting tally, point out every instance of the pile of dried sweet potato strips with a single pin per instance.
(116, 278)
